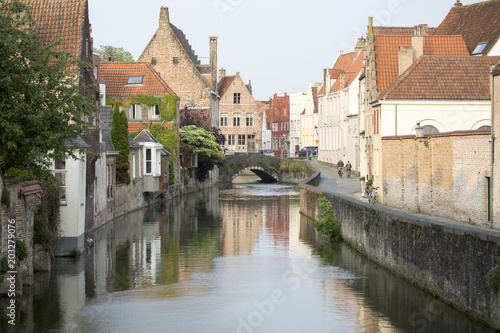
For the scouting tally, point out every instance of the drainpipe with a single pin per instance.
(396, 120)
(492, 183)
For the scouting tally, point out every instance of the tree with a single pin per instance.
(42, 103)
(201, 142)
(119, 135)
(199, 119)
(115, 53)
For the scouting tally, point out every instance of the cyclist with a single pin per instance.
(340, 166)
(349, 167)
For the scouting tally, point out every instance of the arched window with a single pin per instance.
(484, 128)
(429, 129)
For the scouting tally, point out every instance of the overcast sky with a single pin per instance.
(280, 45)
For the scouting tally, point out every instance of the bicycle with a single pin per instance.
(340, 172)
(372, 194)
(348, 173)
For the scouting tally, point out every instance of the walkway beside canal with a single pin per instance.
(330, 182)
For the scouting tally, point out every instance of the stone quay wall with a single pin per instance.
(449, 260)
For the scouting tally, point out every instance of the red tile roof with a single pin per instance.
(444, 78)
(62, 20)
(387, 53)
(224, 84)
(342, 65)
(351, 72)
(134, 127)
(477, 23)
(116, 75)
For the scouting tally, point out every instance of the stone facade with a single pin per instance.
(496, 147)
(170, 54)
(445, 175)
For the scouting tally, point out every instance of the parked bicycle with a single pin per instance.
(372, 194)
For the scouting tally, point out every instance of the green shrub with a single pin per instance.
(21, 250)
(327, 224)
(493, 277)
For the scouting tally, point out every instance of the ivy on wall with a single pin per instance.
(167, 104)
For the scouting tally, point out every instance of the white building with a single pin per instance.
(297, 106)
(309, 118)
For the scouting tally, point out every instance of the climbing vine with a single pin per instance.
(167, 104)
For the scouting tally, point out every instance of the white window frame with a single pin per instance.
(63, 185)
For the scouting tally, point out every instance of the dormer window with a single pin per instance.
(135, 79)
(479, 48)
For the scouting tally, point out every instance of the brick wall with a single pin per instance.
(443, 175)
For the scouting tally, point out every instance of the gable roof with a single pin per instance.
(224, 84)
(181, 37)
(477, 23)
(341, 65)
(387, 53)
(444, 78)
(116, 76)
(146, 136)
(61, 20)
(351, 72)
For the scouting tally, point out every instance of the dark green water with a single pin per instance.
(240, 259)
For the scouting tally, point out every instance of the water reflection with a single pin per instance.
(239, 259)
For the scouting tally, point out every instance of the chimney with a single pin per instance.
(370, 26)
(222, 73)
(458, 4)
(405, 58)
(213, 61)
(418, 46)
(164, 17)
(424, 29)
(342, 80)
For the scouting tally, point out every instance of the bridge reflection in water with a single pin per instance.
(238, 259)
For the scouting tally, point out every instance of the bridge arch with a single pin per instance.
(266, 175)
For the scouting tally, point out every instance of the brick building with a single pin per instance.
(495, 172)
(279, 118)
(239, 114)
(170, 54)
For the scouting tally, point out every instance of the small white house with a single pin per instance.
(152, 157)
(72, 174)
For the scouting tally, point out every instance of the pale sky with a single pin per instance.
(280, 45)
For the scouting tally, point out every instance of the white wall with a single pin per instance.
(297, 105)
(401, 117)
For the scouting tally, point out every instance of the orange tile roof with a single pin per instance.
(61, 20)
(351, 72)
(342, 65)
(387, 53)
(134, 127)
(224, 84)
(444, 78)
(116, 75)
(477, 23)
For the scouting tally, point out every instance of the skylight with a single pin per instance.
(479, 48)
(135, 80)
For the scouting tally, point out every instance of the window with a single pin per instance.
(241, 142)
(109, 180)
(153, 61)
(251, 143)
(175, 60)
(249, 120)
(149, 161)
(484, 128)
(135, 79)
(479, 48)
(194, 161)
(60, 174)
(133, 167)
(154, 112)
(237, 98)
(429, 129)
(236, 120)
(376, 120)
(230, 142)
(223, 119)
(135, 111)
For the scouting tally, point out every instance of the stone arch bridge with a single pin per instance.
(268, 168)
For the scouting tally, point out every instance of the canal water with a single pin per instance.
(236, 259)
